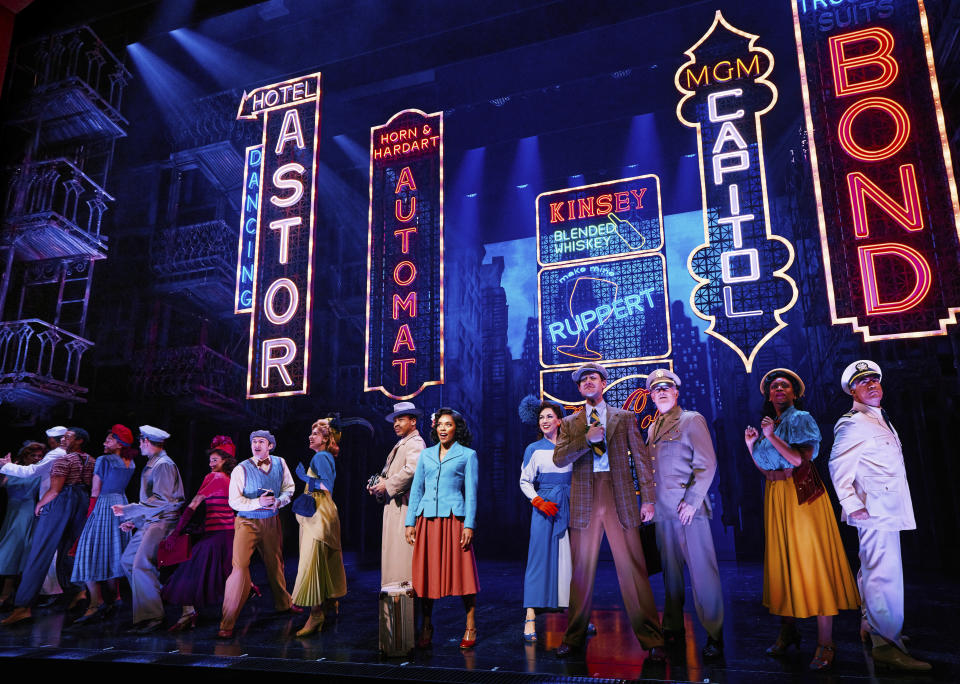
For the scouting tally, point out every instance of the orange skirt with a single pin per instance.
(440, 567)
(805, 569)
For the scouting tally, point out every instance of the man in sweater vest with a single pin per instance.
(259, 488)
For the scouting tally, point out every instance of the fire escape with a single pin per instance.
(63, 118)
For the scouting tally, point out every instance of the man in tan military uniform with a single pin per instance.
(866, 465)
(684, 464)
(393, 490)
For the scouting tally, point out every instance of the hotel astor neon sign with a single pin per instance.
(741, 269)
(886, 195)
(404, 331)
(282, 242)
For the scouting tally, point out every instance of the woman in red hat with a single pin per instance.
(200, 580)
(101, 543)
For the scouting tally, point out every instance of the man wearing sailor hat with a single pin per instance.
(392, 488)
(867, 468)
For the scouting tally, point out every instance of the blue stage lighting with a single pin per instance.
(169, 88)
(228, 67)
(359, 156)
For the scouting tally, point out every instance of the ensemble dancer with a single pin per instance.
(99, 553)
(440, 523)
(805, 570)
(598, 442)
(546, 581)
(259, 487)
(161, 498)
(61, 512)
(686, 464)
(393, 490)
(199, 580)
(868, 472)
(321, 578)
(17, 530)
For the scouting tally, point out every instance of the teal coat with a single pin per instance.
(440, 489)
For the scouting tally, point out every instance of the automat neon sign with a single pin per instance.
(743, 287)
(404, 331)
(877, 141)
(280, 294)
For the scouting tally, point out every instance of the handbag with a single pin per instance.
(807, 481)
(305, 505)
(175, 548)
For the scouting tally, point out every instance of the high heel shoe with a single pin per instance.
(185, 622)
(788, 636)
(426, 637)
(530, 637)
(93, 614)
(823, 658)
(314, 624)
(469, 643)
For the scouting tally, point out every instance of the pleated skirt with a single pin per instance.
(805, 569)
(101, 543)
(320, 572)
(440, 567)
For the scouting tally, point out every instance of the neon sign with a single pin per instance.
(404, 331)
(741, 267)
(886, 195)
(279, 351)
(249, 206)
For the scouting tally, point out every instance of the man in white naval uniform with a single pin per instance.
(866, 465)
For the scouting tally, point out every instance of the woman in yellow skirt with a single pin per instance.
(805, 569)
(320, 576)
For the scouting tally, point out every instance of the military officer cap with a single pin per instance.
(154, 434)
(783, 373)
(662, 376)
(57, 431)
(589, 367)
(857, 370)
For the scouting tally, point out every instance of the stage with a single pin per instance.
(347, 648)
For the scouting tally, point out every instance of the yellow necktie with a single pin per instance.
(601, 448)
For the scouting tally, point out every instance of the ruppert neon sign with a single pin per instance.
(741, 267)
(404, 332)
(246, 257)
(886, 195)
(279, 352)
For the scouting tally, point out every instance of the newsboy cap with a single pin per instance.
(589, 367)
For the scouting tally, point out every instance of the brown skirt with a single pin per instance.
(440, 567)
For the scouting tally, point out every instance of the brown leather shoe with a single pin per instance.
(893, 657)
(18, 615)
(657, 654)
(565, 650)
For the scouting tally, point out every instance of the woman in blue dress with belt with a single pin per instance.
(102, 542)
(546, 583)
(17, 530)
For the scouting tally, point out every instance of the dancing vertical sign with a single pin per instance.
(279, 352)
(404, 334)
(886, 194)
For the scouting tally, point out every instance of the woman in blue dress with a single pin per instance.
(546, 583)
(102, 542)
(17, 530)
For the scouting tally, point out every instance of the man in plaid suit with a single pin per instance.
(599, 441)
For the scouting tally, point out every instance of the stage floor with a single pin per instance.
(347, 646)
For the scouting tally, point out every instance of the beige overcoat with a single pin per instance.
(396, 560)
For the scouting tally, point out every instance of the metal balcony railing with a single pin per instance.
(197, 261)
(38, 359)
(55, 210)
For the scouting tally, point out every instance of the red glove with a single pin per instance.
(548, 508)
(93, 502)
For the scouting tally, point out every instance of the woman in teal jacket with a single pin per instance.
(440, 523)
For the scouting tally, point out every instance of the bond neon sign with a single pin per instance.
(404, 332)
(246, 257)
(741, 267)
(278, 356)
(886, 195)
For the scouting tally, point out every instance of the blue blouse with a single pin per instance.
(114, 474)
(540, 445)
(796, 428)
(324, 468)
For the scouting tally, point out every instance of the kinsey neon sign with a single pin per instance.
(404, 333)
(278, 356)
(741, 267)
(886, 195)
(249, 211)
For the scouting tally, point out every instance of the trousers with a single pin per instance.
(880, 581)
(254, 534)
(139, 562)
(690, 546)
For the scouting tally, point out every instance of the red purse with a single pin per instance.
(808, 483)
(174, 549)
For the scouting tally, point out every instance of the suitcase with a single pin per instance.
(396, 619)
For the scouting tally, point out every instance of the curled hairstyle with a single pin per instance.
(461, 433)
(331, 442)
(229, 462)
(768, 409)
(553, 406)
(28, 450)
